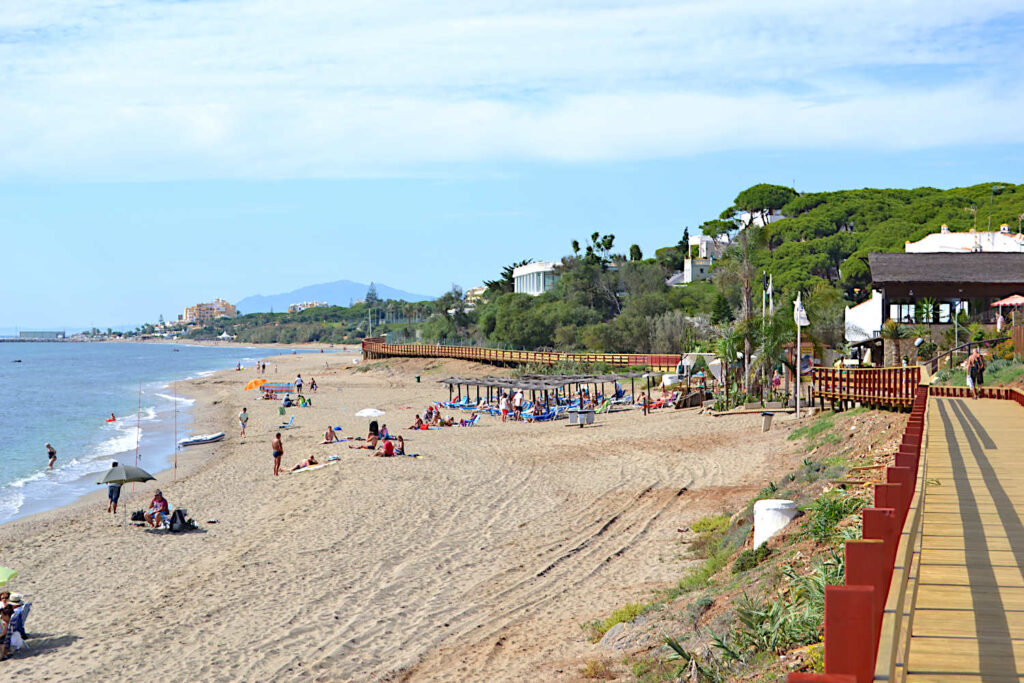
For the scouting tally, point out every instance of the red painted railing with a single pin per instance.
(854, 612)
(375, 347)
(868, 620)
(870, 386)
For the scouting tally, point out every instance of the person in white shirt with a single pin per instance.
(517, 404)
(503, 404)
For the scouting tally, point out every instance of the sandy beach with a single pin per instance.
(478, 560)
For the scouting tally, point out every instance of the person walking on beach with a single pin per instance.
(503, 405)
(113, 493)
(312, 384)
(51, 452)
(243, 419)
(278, 448)
(298, 384)
(517, 405)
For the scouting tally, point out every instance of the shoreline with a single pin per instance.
(182, 388)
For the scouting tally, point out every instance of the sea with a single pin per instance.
(62, 393)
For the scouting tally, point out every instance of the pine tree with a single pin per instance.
(721, 312)
(371, 296)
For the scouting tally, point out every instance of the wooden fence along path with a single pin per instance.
(875, 387)
(935, 590)
(375, 347)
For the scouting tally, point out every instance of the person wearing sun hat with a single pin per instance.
(157, 509)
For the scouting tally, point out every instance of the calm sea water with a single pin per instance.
(62, 393)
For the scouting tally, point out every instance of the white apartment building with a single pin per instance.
(295, 308)
(535, 278)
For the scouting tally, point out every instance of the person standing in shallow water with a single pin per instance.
(51, 453)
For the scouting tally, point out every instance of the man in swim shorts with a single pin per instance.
(113, 493)
(51, 452)
(278, 448)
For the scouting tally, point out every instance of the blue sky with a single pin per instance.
(155, 154)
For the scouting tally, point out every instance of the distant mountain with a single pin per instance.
(339, 293)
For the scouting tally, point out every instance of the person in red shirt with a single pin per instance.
(158, 509)
(386, 451)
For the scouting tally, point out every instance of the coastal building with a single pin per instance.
(949, 242)
(701, 255)
(474, 294)
(535, 278)
(39, 334)
(218, 308)
(937, 277)
(295, 308)
(756, 219)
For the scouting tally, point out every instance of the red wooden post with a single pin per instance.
(887, 495)
(850, 631)
(903, 476)
(866, 566)
(881, 523)
(799, 677)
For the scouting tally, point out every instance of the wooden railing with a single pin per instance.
(869, 620)
(375, 347)
(865, 619)
(934, 364)
(868, 386)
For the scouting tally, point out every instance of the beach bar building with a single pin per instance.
(930, 288)
(937, 277)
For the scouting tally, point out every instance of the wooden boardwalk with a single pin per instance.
(968, 615)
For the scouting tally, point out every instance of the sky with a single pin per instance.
(158, 153)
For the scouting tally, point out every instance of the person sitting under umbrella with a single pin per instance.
(158, 509)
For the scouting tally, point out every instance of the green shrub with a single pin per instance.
(700, 607)
(626, 613)
(749, 559)
(1003, 350)
(827, 511)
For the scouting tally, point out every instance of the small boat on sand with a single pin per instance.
(201, 439)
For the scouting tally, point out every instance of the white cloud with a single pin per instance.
(218, 88)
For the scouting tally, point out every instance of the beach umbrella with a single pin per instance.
(370, 412)
(125, 474)
(6, 575)
(255, 384)
(1015, 300)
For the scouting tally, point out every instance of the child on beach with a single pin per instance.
(243, 419)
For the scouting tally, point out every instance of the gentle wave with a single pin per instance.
(179, 399)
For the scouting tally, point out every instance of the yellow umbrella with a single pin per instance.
(255, 384)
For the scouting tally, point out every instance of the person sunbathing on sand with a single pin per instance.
(417, 424)
(400, 446)
(308, 462)
(370, 443)
(330, 436)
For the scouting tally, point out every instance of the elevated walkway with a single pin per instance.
(968, 614)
